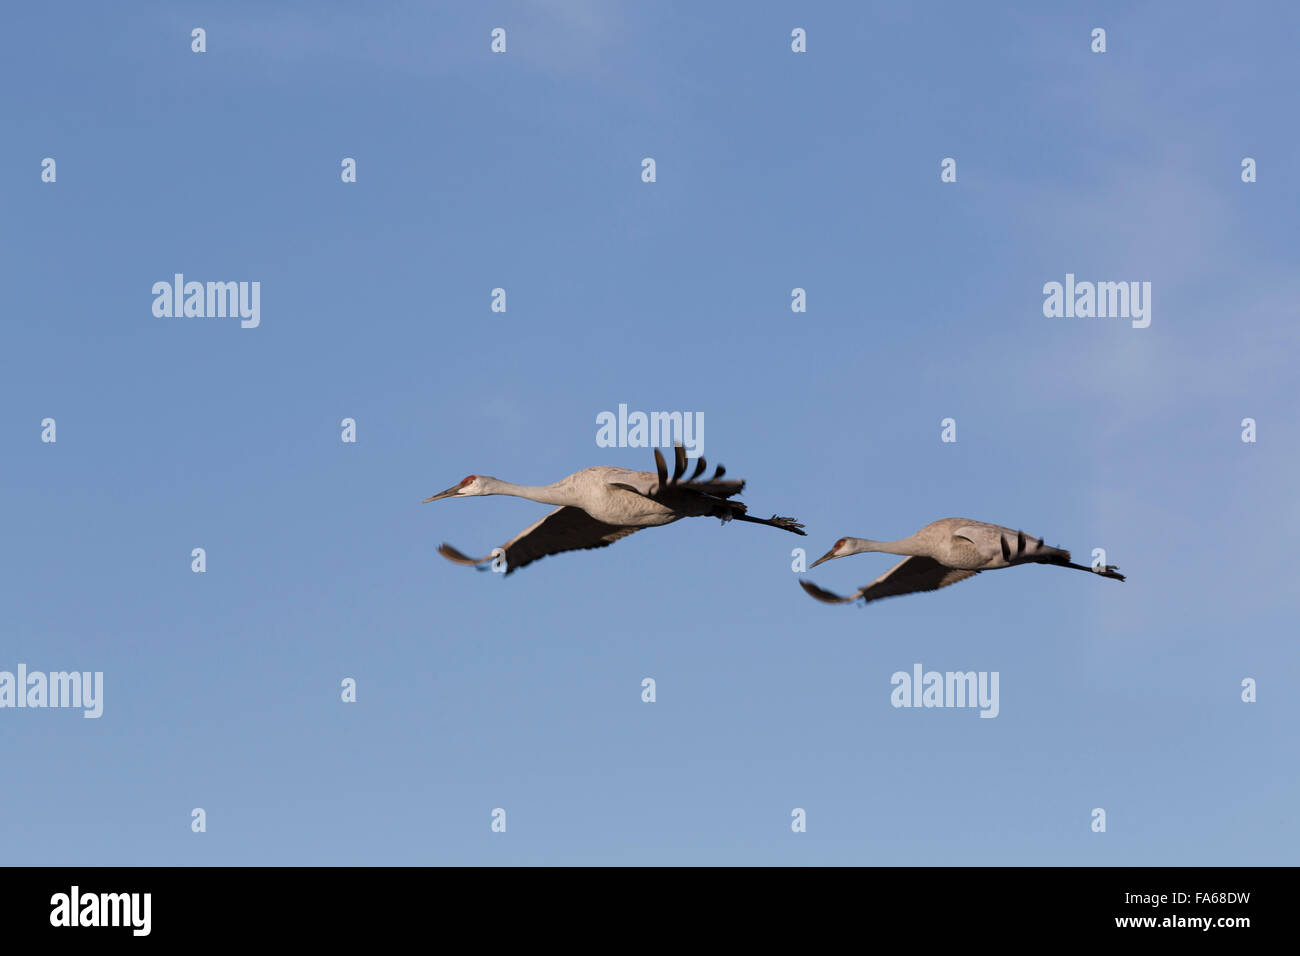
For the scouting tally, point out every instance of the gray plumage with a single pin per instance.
(943, 553)
(600, 505)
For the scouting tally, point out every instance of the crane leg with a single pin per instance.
(1111, 570)
(787, 524)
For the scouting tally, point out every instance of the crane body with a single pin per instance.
(943, 553)
(599, 505)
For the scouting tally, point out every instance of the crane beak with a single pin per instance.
(442, 494)
(825, 557)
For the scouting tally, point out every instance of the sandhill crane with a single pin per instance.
(600, 505)
(943, 553)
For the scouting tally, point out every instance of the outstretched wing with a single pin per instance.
(660, 486)
(906, 577)
(564, 529)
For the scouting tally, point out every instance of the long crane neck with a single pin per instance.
(908, 546)
(546, 494)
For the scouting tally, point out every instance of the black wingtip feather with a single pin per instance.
(679, 462)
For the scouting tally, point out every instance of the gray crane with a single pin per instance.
(943, 553)
(600, 505)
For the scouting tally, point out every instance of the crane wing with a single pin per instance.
(906, 577)
(714, 486)
(658, 484)
(987, 543)
(564, 529)
(648, 487)
(1013, 547)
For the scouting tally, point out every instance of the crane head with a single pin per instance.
(469, 485)
(838, 550)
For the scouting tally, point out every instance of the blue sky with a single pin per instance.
(775, 170)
